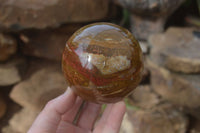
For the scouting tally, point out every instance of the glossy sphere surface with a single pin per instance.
(102, 62)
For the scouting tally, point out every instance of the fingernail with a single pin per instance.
(68, 91)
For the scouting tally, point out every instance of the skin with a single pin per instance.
(59, 113)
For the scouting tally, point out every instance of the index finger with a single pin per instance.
(111, 119)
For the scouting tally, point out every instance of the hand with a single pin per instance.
(59, 113)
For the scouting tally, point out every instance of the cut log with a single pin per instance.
(48, 43)
(44, 82)
(11, 71)
(148, 16)
(20, 14)
(22, 120)
(8, 129)
(162, 119)
(180, 89)
(144, 97)
(177, 49)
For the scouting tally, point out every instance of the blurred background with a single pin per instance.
(33, 34)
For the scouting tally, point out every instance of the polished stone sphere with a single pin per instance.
(102, 62)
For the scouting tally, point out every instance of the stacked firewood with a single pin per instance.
(34, 33)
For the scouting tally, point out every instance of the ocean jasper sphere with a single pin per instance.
(102, 62)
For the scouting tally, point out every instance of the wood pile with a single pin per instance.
(34, 33)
